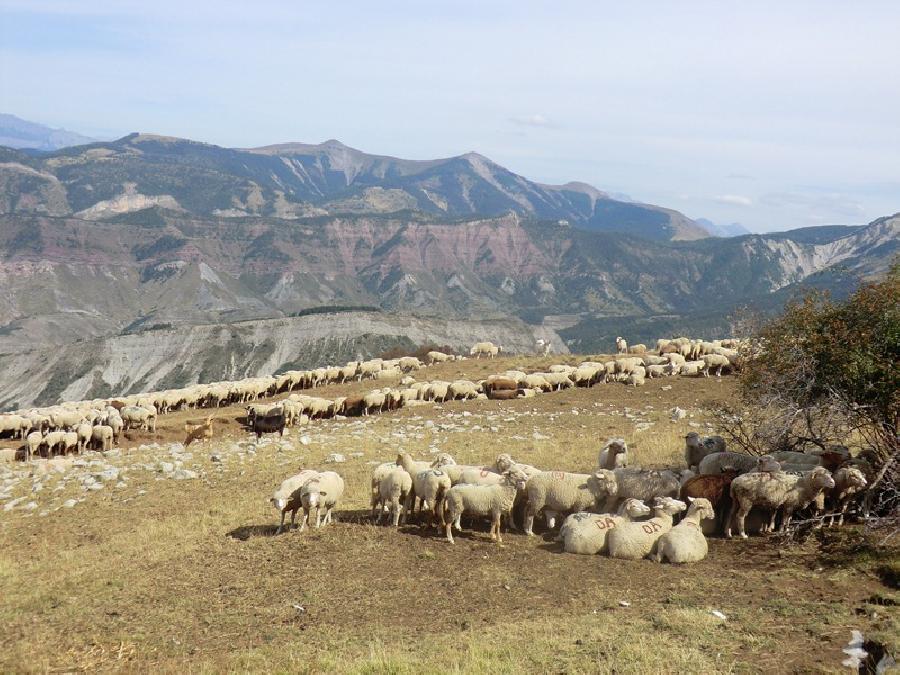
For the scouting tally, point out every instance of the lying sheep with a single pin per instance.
(685, 542)
(696, 447)
(287, 496)
(643, 484)
(613, 454)
(393, 491)
(775, 491)
(636, 377)
(719, 462)
(323, 491)
(634, 541)
(585, 533)
(557, 492)
(483, 500)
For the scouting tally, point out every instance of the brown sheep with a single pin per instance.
(202, 432)
(715, 488)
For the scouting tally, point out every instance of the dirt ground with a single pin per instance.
(187, 575)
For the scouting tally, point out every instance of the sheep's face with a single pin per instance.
(669, 505)
(635, 508)
(279, 503)
(504, 462)
(822, 479)
(701, 507)
(606, 482)
(856, 478)
(767, 464)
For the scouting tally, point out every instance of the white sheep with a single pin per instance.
(849, 483)
(287, 496)
(634, 541)
(487, 348)
(685, 542)
(555, 492)
(586, 533)
(483, 500)
(613, 454)
(393, 491)
(429, 488)
(715, 361)
(636, 377)
(621, 345)
(719, 462)
(102, 436)
(323, 491)
(774, 491)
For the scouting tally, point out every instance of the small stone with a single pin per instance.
(166, 467)
(305, 440)
(539, 437)
(184, 474)
(678, 414)
(69, 504)
(215, 458)
(335, 458)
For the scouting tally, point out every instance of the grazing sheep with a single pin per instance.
(719, 462)
(287, 496)
(33, 443)
(487, 348)
(437, 357)
(716, 488)
(102, 436)
(323, 491)
(774, 491)
(696, 447)
(429, 488)
(585, 533)
(138, 417)
(393, 490)
(655, 371)
(715, 362)
(643, 484)
(634, 541)
(637, 349)
(613, 454)
(849, 483)
(483, 500)
(685, 542)
(557, 492)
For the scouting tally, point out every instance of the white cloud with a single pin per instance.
(734, 200)
(536, 120)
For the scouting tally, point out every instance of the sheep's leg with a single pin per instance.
(771, 527)
(843, 511)
(304, 519)
(550, 518)
(281, 525)
(731, 515)
(786, 519)
(448, 531)
(529, 521)
(327, 520)
(318, 517)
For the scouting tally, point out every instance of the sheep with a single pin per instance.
(287, 496)
(643, 484)
(696, 447)
(429, 488)
(70, 442)
(637, 349)
(655, 371)
(613, 454)
(849, 483)
(505, 462)
(634, 541)
(138, 417)
(393, 491)
(84, 432)
(437, 357)
(323, 491)
(483, 500)
(409, 363)
(411, 466)
(379, 473)
(463, 390)
(272, 422)
(33, 443)
(560, 492)
(488, 348)
(636, 377)
(685, 542)
(586, 533)
(715, 488)
(558, 381)
(102, 436)
(627, 365)
(621, 345)
(718, 462)
(773, 491)
(715, 361)
(587, 375)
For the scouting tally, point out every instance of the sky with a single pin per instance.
(775, 115)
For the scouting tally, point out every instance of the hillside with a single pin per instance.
(296, 180)
(18, 133)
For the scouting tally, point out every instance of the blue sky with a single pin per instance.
(773, 114)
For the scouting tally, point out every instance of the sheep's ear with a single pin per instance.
(690, 500)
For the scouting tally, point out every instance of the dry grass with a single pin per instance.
(188, 577)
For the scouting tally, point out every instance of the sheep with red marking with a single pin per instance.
(685, 542)
(555, 492)
(585, 533)
(634, 541)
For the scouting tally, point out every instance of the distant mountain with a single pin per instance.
(730, 230)
(18, 133)
(295, 180)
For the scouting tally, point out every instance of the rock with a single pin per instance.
(429, 424)
(7, 454)
(539, 437)
(69, 504)
(9, 506)
(215, 458)
(305, 440)
(335, 458)
(166, 467)
(30, 506)
(678, 414)
(107, 475)
(184, 474)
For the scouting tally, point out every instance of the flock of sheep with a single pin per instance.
(617, 509)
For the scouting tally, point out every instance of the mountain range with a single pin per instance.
(18, 133)
(169, 246)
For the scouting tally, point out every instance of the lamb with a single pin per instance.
(634, 541)
(429, 487)
(715, 488)
(287, 496)
(483, 500)
(102, 436)
(323, 491)
(560, 492)
(718, 462)
(613, 454)
(696, 447)
(849, 483)
(643, 484)
(586, 533)
(685, 542)
(393, 490)
(773, 491)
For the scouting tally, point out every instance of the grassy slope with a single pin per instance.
(188, 577)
